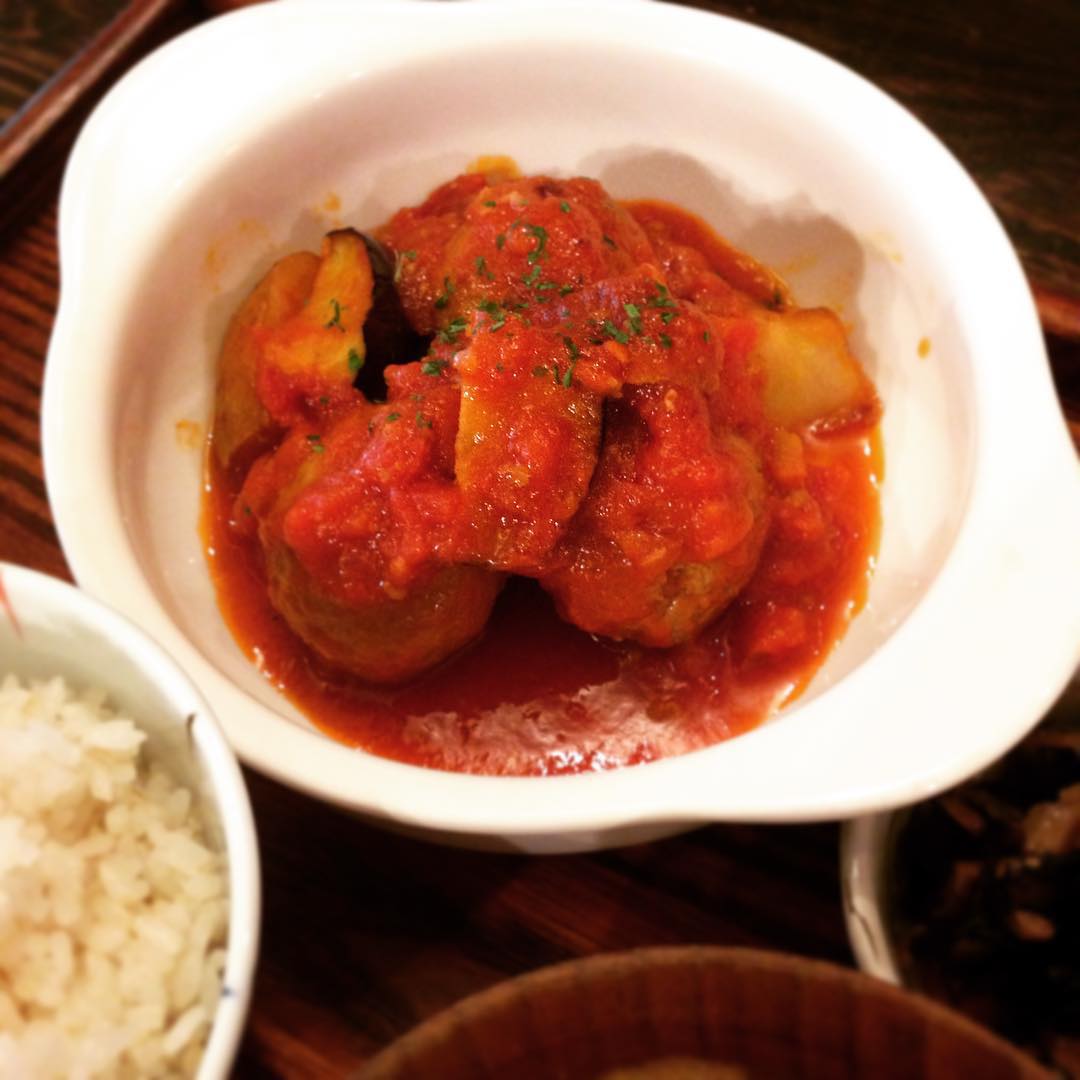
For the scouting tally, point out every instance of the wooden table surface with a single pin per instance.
(365, 933)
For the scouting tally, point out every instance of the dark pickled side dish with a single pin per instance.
(985, 893)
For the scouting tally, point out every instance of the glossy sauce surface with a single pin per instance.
(534, 694)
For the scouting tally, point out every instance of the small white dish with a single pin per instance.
(866, 846)
(48, 628)
(181, 192)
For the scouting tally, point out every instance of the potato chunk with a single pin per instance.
(810, 376)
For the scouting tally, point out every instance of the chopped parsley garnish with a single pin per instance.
(356, 361)
(706, 337)
(667, 317)
(540, 371)
(335, 320)
(449, 333)
(532, 276)
(391, 417)
(568, 376)
(634, 315)
(565, 290)
(489, 202)
(433, 367)
(571, 348)
(613, 331)
(610, 243)
(662, 299)
(482, 268)
(500, 240)
(665, 341)
(564, 206)
(422, 421)
(494, 312)
(444, 297)
(410, 254)
(315, 442)
(541, 235)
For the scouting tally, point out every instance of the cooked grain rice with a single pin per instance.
(112, 910)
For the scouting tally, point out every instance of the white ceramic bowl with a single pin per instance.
(49, 628)
(183, 189)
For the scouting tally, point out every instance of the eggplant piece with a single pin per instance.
(389, 337)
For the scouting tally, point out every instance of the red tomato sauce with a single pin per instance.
(533, 694)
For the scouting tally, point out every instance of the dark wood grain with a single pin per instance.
(998, 83)
(366, 933)
(38, 39)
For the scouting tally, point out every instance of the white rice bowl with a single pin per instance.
(113, 909)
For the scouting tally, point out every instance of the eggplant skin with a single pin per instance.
(389, 337)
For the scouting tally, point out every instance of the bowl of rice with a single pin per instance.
(129, 879)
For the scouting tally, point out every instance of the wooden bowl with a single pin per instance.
(763, 1015)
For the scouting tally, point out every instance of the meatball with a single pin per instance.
(511, 246)
(359, 527)
(673, 525)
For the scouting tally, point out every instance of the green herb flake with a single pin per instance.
(532, 276)
(489, 202)
(410, 254)
(444, 298)
(450, 332)
(610, 243)
(335, 320)
(568, 376)
(356, 361)
(392, 417)
(432, 367)
(613, 331)
(662, 299)
(541, 235)
(422, 421)
(540, 371)
(706, 337)
(500, 241)
(665, 341)
(482, 268)
(324, 400)
(667, 317)
(564, 206)
(494, 312)
(634, 315)
(315, 442)
(571, 348)
(565, 290)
